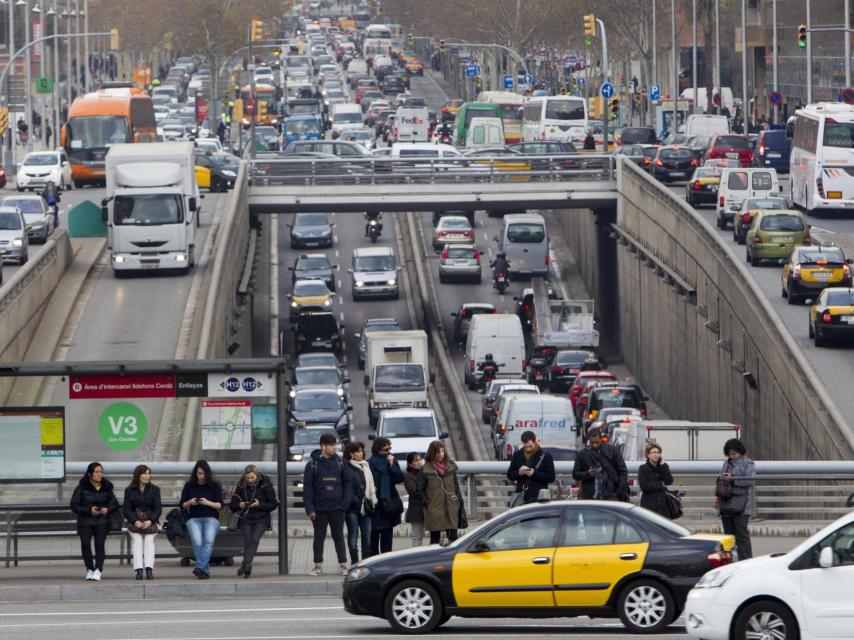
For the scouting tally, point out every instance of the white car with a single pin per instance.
(41, 167)
(38, 218)
(409, 430)
(209, 144)
(803, 594)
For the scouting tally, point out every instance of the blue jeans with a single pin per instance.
(356, 523)
(202, 535)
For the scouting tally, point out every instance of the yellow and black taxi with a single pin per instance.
(702, 188)
(811, 269)
(309, 295)
(414, 67)
(543, 560)
(832, 316)
(743, 219)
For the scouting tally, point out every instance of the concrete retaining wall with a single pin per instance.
(23, 297)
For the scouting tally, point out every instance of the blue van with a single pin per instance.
(772, 149)
(301, 128)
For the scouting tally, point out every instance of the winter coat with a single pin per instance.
(147, 499)
(415, 510)
(441, 497)
(325, 486)
(211, 492)
(544, 474)
(386, 476)
(86, 496)
(610, 487)
(262, 491)
(358, 484)
(653, 480)
(744, 468)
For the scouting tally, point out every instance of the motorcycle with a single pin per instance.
(374, 230)
(489, 372)
(537, 369)
(501, 281)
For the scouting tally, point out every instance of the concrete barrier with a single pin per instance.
(23, 299)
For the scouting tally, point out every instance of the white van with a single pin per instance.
(346, 116)
(501, 335)
(485, 132)
(412, 124)
(738, 184)
(706, 125)
(524, 240)
(550, 417)
(357, 66)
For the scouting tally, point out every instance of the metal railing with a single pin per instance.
(281, 170)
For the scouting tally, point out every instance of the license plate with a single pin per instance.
(462, 262)
(732, 155)
(847, 319)
(780, 239)
(677, 174)
(822, 275)
(774, 155)
(539, 376)
(149, 265)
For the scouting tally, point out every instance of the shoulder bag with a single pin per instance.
(673, 503)
(723, 486)
(621, 493)
(733, 506)
(141, 516)
(519, 498)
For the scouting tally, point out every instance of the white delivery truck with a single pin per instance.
(152, 206)
(397, 366)
(550, 417)
(412, 124)
(686, 440)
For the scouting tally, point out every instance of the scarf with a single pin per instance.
(382, 467)
(370, 488)
(440, 467)
(534, 452)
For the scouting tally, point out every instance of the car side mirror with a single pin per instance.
(481, 546)
(444, 435)
(826, 559)
(349, 271)
(349, 407)
(849, 260)
(192, 204)
(372, 436)
(290, 268)
(432, 378)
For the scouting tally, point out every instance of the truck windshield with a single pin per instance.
(148, 209)
(401, 377)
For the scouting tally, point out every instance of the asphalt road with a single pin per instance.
(262, 618)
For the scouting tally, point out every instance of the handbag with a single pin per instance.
(392, 506)
(462, 518)
(673, 503)
(176, 523)
(234, 519)
(116, 520)
(723, 488)
(140, 515)
(519, 499)
(733, 506)
(368, 506)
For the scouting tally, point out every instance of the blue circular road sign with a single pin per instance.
(607, 90)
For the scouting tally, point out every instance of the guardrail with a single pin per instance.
(315, 169)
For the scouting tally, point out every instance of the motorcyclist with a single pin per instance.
(51, 198)
(500, 265)
(487, 365)
(372, 215)
(444, 130)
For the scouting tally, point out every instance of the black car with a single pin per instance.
(565, 366)
(311, 230)
(634, 152)
(319, 406)
(546, 560)
(317, 331)
(392, 85)
(674, 163)
(314, 266)
(223, 166)
(611, 394)
(638, 135)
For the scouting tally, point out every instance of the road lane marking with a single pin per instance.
(819, 229)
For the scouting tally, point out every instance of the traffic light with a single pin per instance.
(257, 31)
(613, 108)
(411, 38)
(590, 25)
(441, 45)
(114, 39)
(4, 119)
(802, 36)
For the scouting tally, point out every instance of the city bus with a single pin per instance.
(509, 104)
(821, 168)
(98, 120)
(468, 111)
(561, 118)
(377, 42)
(266, 104)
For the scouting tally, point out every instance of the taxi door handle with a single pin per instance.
(628, 556)
(541, 560)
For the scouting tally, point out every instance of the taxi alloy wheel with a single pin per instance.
(646, 606)
(413, 606)
(766, 620)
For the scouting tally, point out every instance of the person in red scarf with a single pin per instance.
(439, 492)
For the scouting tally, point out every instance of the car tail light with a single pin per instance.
(658, 163)
(757, 239)
(761, 149)
(697, 186)
(524, 363)
(826, 318)
(509, 451)
(465, 314)
(471, 365)
(477, 256)
(467, 234)
(647, 160)
(643, 411)
(442, 233)
(796, 272)
(721, 201)
(546, 259)
(745, 218)
(445, 254)
(694, 162)
(719, 558)
(846, 271)
(558, 371)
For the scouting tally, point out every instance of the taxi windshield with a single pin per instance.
(310, 288)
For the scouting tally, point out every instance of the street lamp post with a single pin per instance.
(67, 15)
(28, 70)
(654, 79)
(694, 52)
(77, 46)
(847, 10)
(718, 57)
(57, 96)
(744, 101)
(88, 84)
(809, 55)
(675, 124)
(10, 155)
(42, 48)
(775, 111)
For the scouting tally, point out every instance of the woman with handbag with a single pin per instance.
(387, 515)
(253, 500)
(142, 509)
(94, 503)
(202, 497)
(439, 492)
(359, 512)
(653, 478)
(732, 495)
(415, 510)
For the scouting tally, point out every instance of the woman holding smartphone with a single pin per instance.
(202, 497)
(93, 501)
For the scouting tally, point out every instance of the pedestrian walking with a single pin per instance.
(93, 501)
(601, 470)
(415, 510)
(202, 496)
(326, 495)
(654, 477)
(221, 130)
(389, 510)
(253, 500)
(439, 492)
(732, 495)
(363, 503)
(531, 469)
(48, 133)
(142, 508)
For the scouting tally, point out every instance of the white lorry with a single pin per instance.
(686, 440)
(397, 366)
(561, 324)
(152, 206)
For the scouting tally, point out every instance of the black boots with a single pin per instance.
(244, 570)
(139, 574)
(149, 573)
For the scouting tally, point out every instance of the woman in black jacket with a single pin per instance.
(142, 511)
(364, 500)
(93, 501)
(654, 477)
(254, 499)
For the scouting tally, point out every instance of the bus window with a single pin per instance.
(564, 110)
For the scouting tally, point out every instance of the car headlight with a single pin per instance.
(716, 578)
(118, 259)
(340, 392)
(180, 257)
(18, 242)
(230, 174)
(293, 394)
(357, 573)
(360, 283)
(327, 302)
(294, 304)
(391, 283)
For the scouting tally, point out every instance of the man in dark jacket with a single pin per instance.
(601, 470)
(531, 468)
(327, 494)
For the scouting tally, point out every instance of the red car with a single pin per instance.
(583, 380)
(732, 146)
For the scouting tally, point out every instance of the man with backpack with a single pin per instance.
(601, 470)
(531, 468)
(326, 495)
